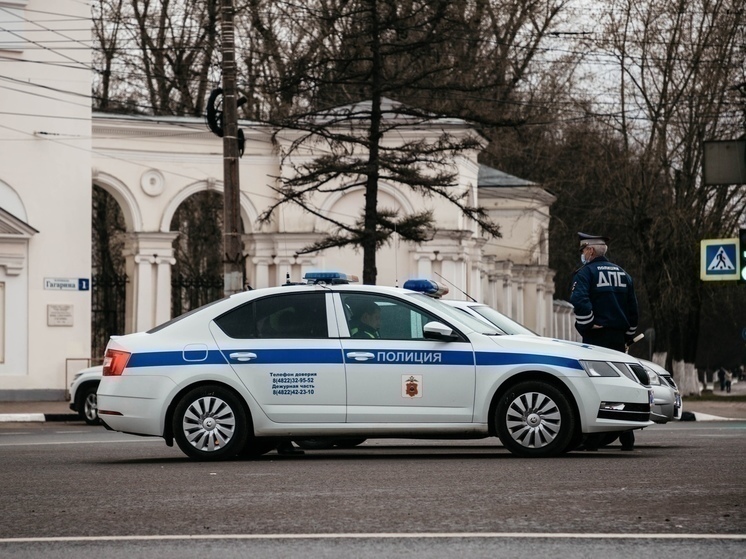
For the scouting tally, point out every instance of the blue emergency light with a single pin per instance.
(426, 286)
(329, 278)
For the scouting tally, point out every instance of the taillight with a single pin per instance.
(114, 362)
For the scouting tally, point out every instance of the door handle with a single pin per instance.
(242, 356)
(360, 355)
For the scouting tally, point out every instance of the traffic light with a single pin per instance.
(742, 255)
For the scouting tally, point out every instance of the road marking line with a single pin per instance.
(384, 535)
(154, 440)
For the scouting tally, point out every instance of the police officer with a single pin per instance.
(606, 311)
(368, 320)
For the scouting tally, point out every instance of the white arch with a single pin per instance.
(11, 202)
(404, 202)
(248, 212)
(124, 197)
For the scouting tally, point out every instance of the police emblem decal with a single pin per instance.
(411, 386)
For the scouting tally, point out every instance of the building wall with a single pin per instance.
(45, 167)
(53, 151)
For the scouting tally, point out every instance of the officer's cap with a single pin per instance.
(586, 239)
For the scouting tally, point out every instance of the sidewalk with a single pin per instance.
(720, 409)
(23, 412)
(707, 410)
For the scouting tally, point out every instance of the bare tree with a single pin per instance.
(623, 153)
(365, 50)
(164, 48)
(677, 64)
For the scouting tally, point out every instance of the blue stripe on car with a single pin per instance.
(336, 356)
(170, 358)
(495, 358)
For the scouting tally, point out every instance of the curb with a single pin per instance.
(699, 416)
(37, 417)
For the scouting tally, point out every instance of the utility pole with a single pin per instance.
(232, 245)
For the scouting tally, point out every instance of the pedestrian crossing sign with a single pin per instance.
(719, 260)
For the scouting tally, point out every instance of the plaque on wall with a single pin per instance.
(59, 315)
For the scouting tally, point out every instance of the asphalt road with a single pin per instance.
(70, 490)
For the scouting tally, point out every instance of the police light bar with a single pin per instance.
(330, 277)
(426, 286)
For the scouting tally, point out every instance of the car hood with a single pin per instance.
(564, 348)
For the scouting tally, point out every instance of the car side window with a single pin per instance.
(376, 316)
(295, 315)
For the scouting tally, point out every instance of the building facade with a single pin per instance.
(53, 155)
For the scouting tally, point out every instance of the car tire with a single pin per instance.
(535, 419)
(210, 423)
(86, 403)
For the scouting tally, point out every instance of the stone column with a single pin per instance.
(518, 293)
(148, 261)
(541, 316)
(261, 271)
(424, 264)
(284, 269)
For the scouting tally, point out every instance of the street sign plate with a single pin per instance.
(67, 284)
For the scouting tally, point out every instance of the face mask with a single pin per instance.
(582, 258)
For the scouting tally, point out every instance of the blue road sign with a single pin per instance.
(719, 260)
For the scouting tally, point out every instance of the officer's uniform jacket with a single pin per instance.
(603, 294)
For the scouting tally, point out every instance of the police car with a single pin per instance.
(235, 377)
(667, 403)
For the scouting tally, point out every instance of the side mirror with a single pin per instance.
(439, 331)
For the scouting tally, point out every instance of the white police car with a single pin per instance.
(667, 403)
(299, 361)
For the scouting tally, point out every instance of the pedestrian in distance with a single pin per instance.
(728, 380)
(606, 313)
(721, 378)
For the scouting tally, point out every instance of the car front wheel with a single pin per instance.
(534, 419)
(210, 423)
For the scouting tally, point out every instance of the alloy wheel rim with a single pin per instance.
(533, 420)
(90, 407)
(209, 424)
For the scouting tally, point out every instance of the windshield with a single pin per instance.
(441, 308)
(507, 325)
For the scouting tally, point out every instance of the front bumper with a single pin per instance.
(613, 404)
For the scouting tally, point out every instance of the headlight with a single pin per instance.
(599, 369)
(653, 377)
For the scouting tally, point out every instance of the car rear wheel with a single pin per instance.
(210, 423)
(534, 419)
(87, 404)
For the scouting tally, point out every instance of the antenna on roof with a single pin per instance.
(455, 287)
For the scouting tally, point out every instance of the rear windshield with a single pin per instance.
(182, 316)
